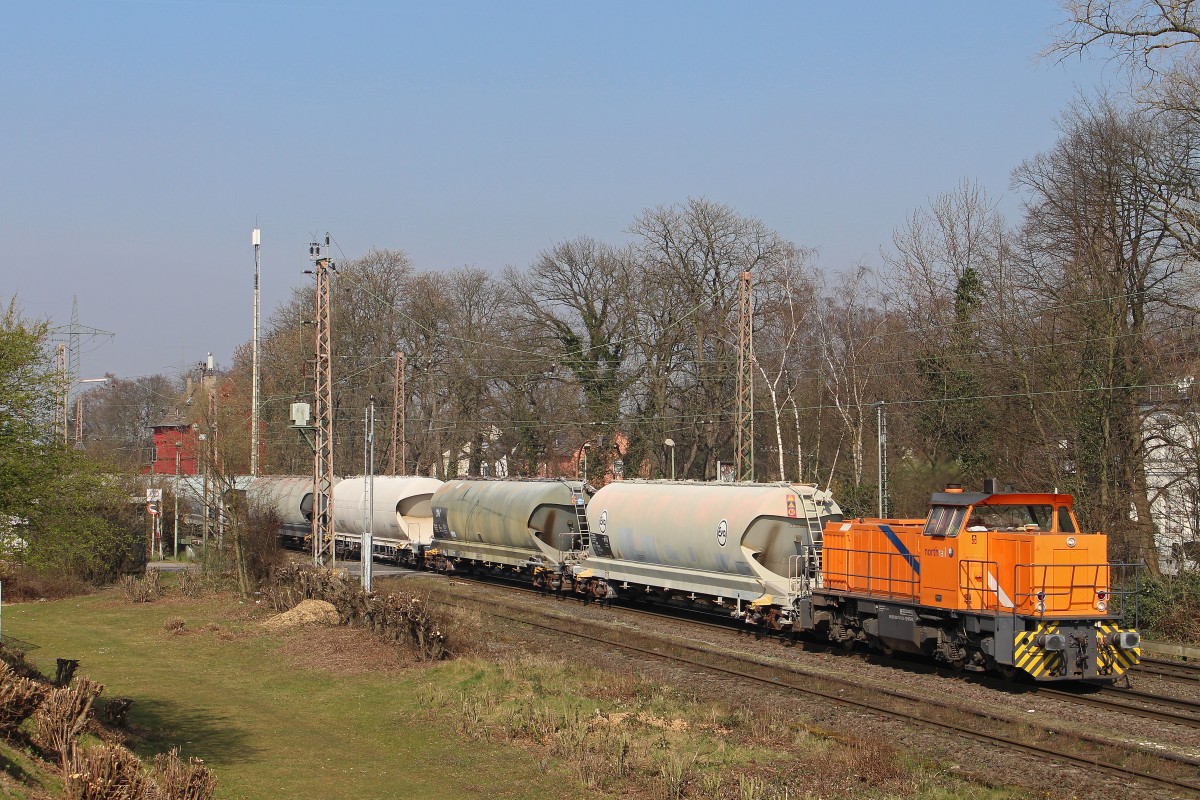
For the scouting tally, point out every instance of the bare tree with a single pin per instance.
(1109, 272)
(696, 251)
(576, 305)
(1144, 34)
(119, 413)
(849, 339)
(948, 281)
(785, 309)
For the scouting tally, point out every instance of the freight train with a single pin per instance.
(988, 581)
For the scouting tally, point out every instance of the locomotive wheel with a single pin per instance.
(1006, 671)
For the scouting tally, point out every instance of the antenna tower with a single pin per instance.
(745, 380)
(323, 541)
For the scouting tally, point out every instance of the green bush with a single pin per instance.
(1166, 607)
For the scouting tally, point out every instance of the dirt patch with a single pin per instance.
(344, 651)
(307, 612)
(619, 718)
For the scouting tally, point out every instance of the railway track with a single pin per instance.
(1169, 709)
(1187, 672)
(1143, 704)
(1160, 708)
(1174, 772)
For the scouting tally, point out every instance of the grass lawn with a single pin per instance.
(256, 710)
(318, 712)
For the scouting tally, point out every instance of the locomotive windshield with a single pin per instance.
(1015, 517)
(945, 520)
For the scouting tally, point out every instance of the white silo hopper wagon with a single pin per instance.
(752, 545)
(525, 526)
(291, 497)
(401, 516)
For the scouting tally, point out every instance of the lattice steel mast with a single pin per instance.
(398, 397)
(73, 346)
(745, 380)
(62, 387)
(254, 423)
(881, 453)
(322, 519)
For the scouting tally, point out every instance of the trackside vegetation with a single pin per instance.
(64, 519)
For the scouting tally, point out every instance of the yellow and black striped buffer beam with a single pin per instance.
(1111, 660)
(1033, 658)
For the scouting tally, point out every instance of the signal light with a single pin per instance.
(1101, 594)
(1041, 595)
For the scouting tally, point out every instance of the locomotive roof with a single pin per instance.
(972, 498)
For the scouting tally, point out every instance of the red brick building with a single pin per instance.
(169, 433)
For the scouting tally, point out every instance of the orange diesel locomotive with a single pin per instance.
(997, 581)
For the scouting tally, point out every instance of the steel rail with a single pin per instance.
(1174, 670)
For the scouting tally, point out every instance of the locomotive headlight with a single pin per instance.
(1040, 607)
(1101, 605)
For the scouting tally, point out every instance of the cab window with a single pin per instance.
(945, 520)
(1065, 523)
(1013, 517)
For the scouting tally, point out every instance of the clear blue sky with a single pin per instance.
(144, 139)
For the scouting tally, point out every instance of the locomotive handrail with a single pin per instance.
(965, 584)
(909, 587)
(1047, 582)
(804, 570)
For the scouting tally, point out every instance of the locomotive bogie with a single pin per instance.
(1043, 649)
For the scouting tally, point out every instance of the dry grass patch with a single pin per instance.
(623, 733)
(343, 651)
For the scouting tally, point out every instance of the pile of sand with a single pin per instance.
(308, 612)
